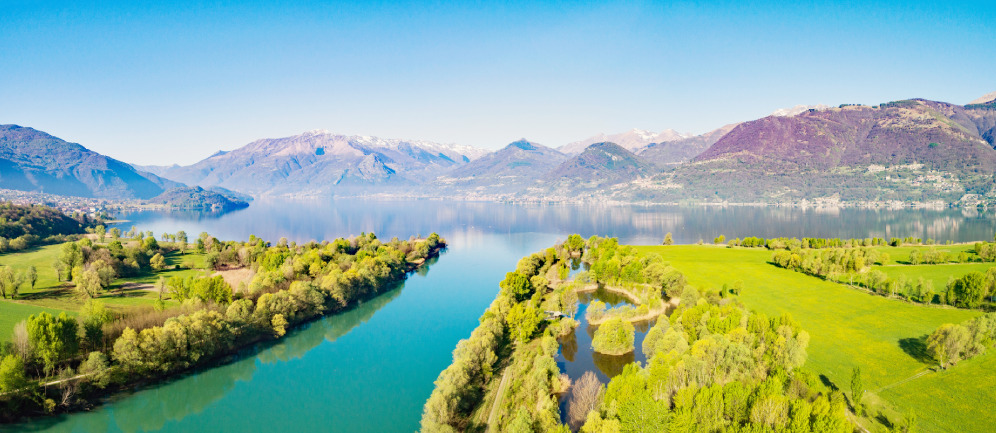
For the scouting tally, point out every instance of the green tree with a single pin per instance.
(53, 338)
(8, 280)
(971, 289)
(71, 255)
(523, 320)
(212, 289)
(857, 387)
(517, 285)
(93, 316)
(32, 276)
(668, 240)
(12, 374)
(181, 238)
(614, 337)
(575, 243)
(88, 284)
(158, 262)
(947, 343)
(101, 231)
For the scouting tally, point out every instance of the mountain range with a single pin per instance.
(909, 150)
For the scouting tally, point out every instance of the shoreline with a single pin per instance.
(96, 397)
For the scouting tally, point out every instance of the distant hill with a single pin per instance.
(31, 160)
(904, 150)
(38, 221)
(633, 140)
(601, 165)
(510, 169)
(988, 97)
(319, 162)
(198, 198)
(672, 153)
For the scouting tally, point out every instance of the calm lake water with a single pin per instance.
(372, 368)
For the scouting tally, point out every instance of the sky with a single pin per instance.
(173, 82)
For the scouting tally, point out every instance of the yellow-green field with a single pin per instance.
(851, 328)
(937, 273)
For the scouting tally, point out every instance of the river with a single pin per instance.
(372, 368)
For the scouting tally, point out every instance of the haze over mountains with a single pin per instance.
(911, 150)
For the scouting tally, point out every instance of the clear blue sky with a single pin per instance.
(160, 83)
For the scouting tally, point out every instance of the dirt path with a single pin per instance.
(498, 399)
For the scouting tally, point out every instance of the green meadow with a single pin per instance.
(49, 294)
(884, 337)
(937, 273)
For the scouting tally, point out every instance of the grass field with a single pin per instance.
(847, 327)
(49, 294)
(12, 312)
(937, 273)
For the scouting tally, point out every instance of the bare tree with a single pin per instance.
(586, 396)
(68, 386)
(21, 342)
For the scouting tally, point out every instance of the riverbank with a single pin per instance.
(216, 336)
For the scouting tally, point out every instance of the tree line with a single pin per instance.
(297, 283)
(852, 266)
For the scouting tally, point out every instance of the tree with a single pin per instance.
(575, 243)
(668, 240)
(614, 337)
(54, 338)
(181, 238)
(161, 286)
(212, 289)
(517, 285)
(857, 388)
(101, 231)
(522, 423)
(71, 255)
(523, 321)
(32, 276)
(586, 396)
(279, 324)
(158, 262)
(12, 374)
(88, 284)
(971, 289)
(947, 343)
(115, 233)
(93, 316)
(60, 268)
(8, 280)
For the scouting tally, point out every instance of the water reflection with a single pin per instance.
(304, 220)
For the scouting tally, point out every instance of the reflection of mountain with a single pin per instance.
(464, 222)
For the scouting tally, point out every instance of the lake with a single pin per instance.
(373, 367)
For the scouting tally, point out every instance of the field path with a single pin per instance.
(908, 379)
(498, 399)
